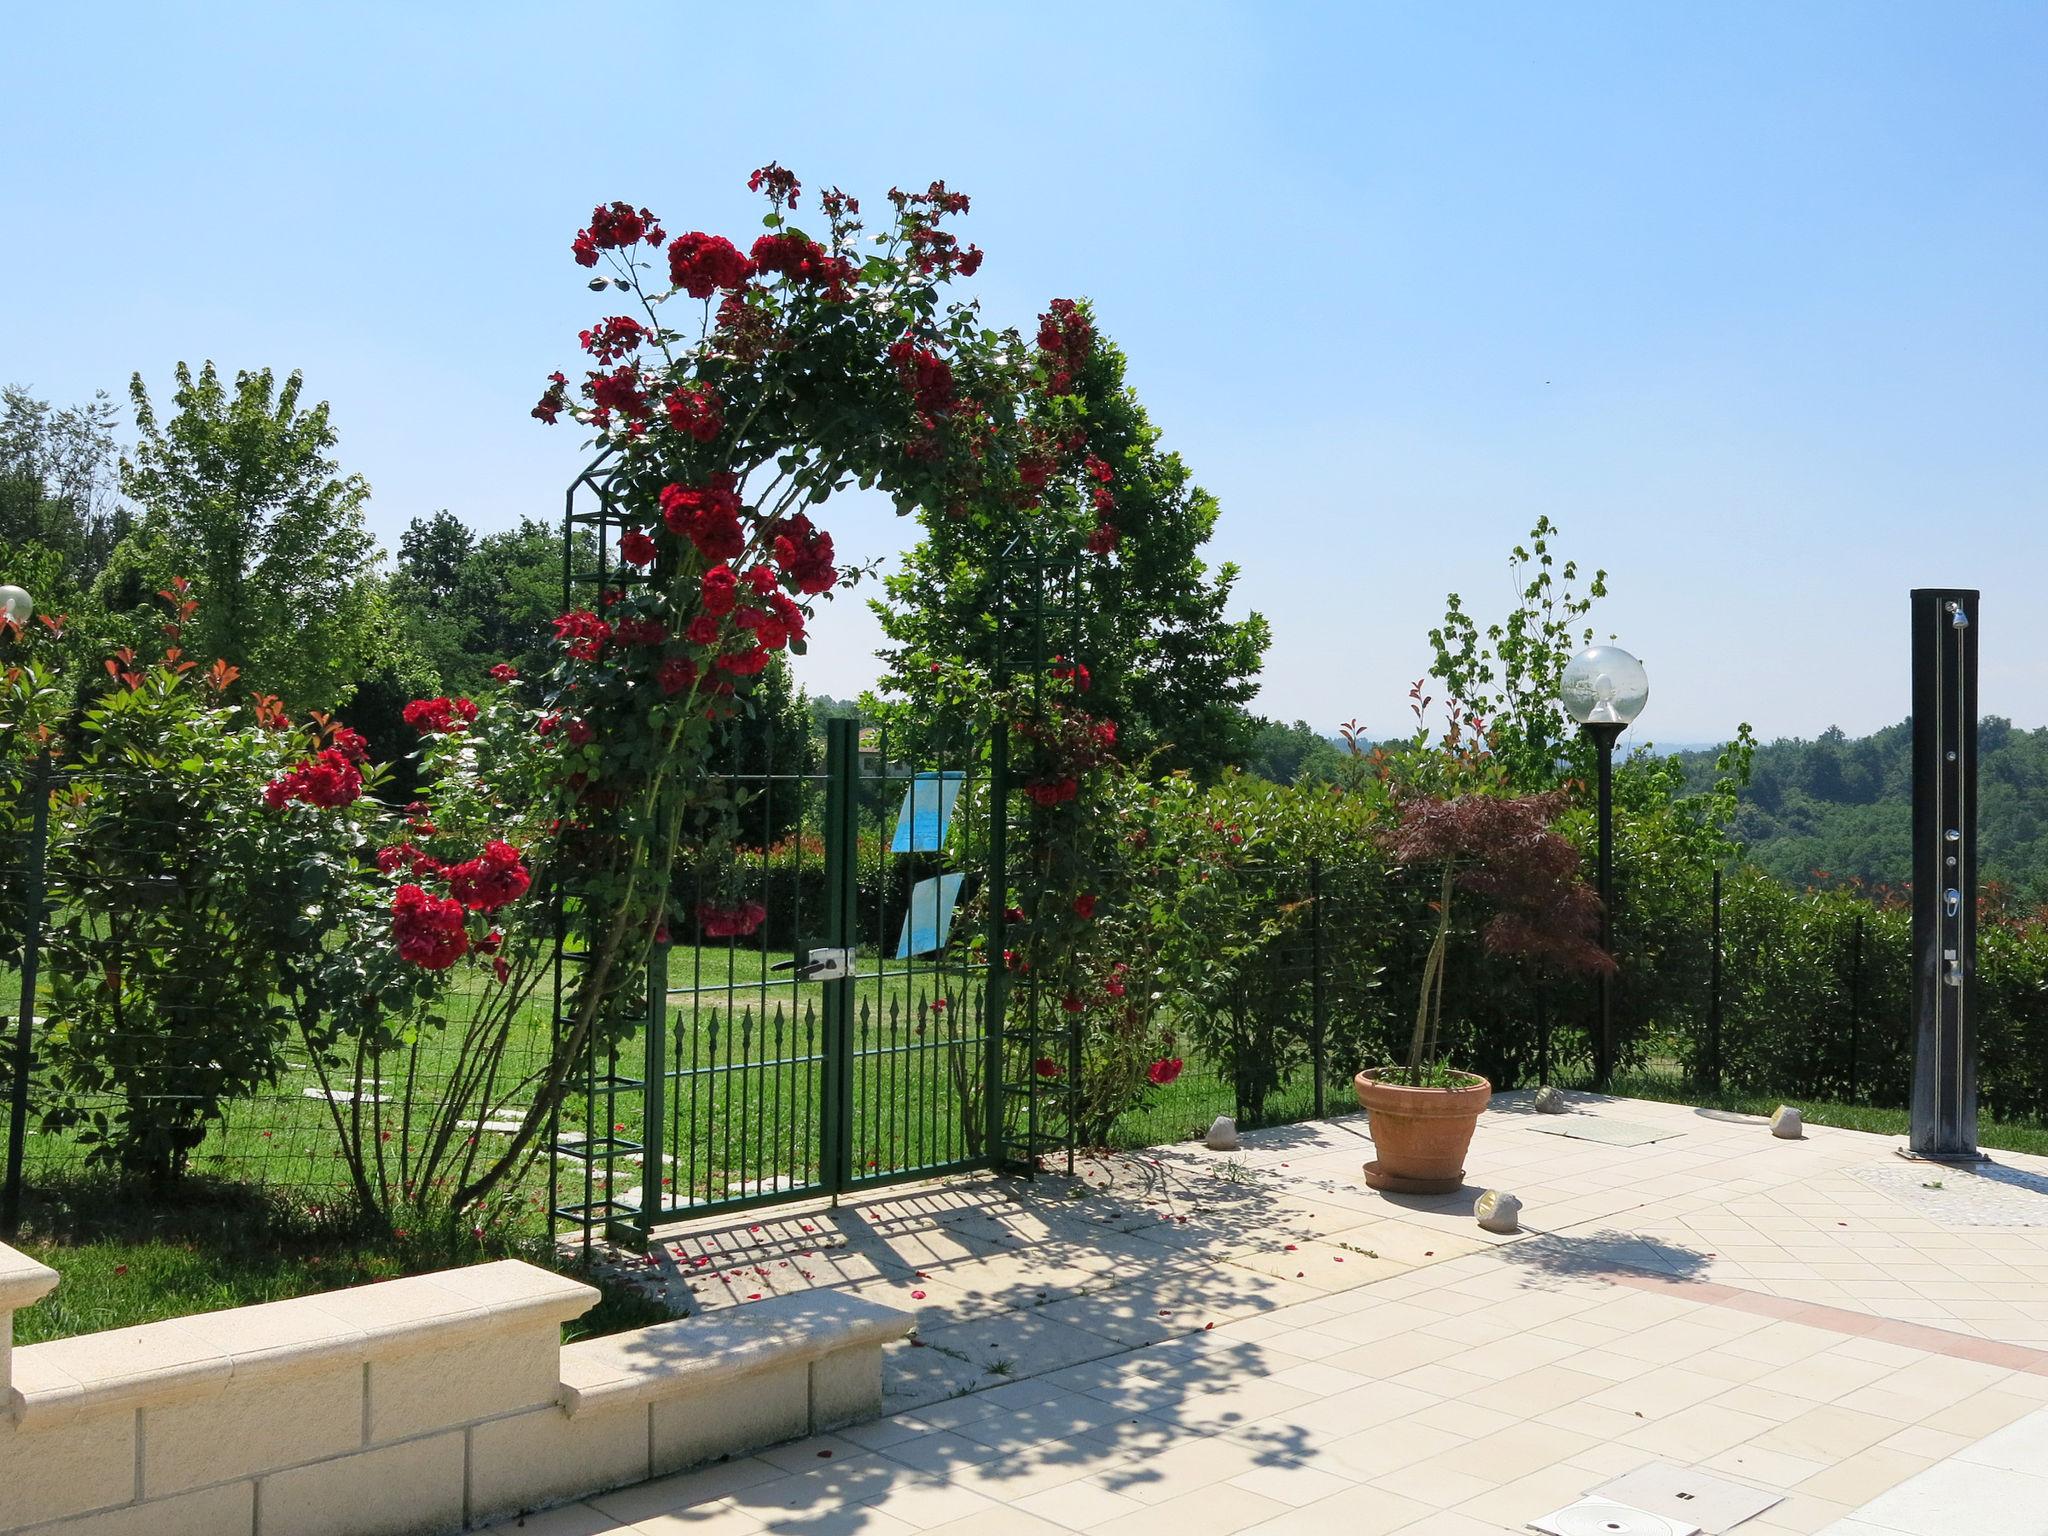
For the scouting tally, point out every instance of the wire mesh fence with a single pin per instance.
(154, 1048)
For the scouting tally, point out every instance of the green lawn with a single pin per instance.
(128, 1258)
(1992, 1135)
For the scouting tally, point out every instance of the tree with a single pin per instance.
(241, 493)
(60, 512)
(1291, 754)
(1504, 685)
(470, 602)
(1148, 618)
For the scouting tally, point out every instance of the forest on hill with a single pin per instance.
(1839, 808)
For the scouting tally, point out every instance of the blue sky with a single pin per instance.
(1749, 298)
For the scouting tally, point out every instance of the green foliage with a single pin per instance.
(60, 515)
(241, 493)
(1505, 681)
(129, 1258)
(1289, 754)
(1247, 903)
(467, 602)
(175, 904)
(1839, 808)
(1148, 619)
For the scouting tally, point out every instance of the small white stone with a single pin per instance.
(1222, 1135)
(1549, 1101)
(1498, 1211)
(1786, 1125)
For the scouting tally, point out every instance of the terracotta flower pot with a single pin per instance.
(1421, 1134)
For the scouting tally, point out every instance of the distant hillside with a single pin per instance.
(1841, 805)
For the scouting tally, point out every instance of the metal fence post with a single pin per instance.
(1712, 1074)
(31, 961)
(995, 983)
(842, 854)
(1855, 1004)
(654, 1093)
(1319, 999)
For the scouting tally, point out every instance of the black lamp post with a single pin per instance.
(15, 609)
(1604, 689)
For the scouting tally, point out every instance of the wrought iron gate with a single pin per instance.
(852, 1040)
(858, 1036)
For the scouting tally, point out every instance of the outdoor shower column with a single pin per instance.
(1944, 874)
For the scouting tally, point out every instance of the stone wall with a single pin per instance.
(419, 1405)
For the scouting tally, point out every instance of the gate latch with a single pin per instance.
(822, 965)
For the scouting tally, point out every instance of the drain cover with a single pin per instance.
(1595, 1516)
(1714, 1504)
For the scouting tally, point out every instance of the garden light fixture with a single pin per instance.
(1604, 688)
(1604, 685)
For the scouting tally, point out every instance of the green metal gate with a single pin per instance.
(853, 1040)
(858, 1038)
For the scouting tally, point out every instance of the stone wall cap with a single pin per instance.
(23, 1282)
(194, 1356)
(721, 1346)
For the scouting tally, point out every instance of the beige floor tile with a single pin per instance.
(1664, 1391)
(1081, 1506)
(1382, 1449)
(1513, 1503)
(994, 1522)
(923, 1502)
(1696, 1433)
(1216, 1511)
(1765, 1468)
(1539, 1391)
(1858, 1479)
(726, 1520)
(1292, 1483)
(1373, 1512)
(1828, 1434)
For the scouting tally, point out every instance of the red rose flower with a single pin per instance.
(505, 672)
(1104, 539)
(730, 922)
(1047, 1068)
(584, 633)
(1084, 906)
(805, 552)
(428, 929)
(703, 630)
(696, 411)
(610, 340)
(700, 264)
(329, 779)
(491, 880)
(720, 590)
(635, 547)
(1164, 1071)
(707, 515)
(439, 716)
(677, 675)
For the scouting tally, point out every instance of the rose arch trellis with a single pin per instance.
(647, 1099)
(731, 394)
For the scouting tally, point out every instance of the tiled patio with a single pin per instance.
(1197, 1343)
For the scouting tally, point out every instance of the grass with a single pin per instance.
(1992, 1135)
(128, 1257)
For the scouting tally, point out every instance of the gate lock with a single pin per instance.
(822, 965)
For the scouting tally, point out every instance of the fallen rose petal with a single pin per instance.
(917, 1295)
